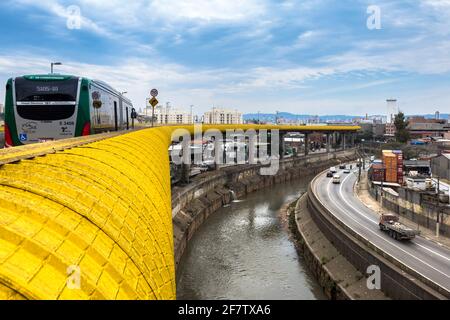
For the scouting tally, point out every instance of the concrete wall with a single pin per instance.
(440, 167)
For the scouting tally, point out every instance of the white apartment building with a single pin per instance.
(222, 116)
(169, 115)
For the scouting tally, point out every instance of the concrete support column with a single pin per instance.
(186, 165)
(218, 153)
(353, 139)
(306, 144)
(282, 146)
(335, 136)
(328, 142)
(252, 149)
(344, 136)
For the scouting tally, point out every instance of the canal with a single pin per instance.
(243, 251)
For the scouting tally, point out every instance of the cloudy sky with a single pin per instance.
(304, 56)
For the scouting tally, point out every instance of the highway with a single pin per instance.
(425, 257)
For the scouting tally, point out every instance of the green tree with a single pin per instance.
(402, 133)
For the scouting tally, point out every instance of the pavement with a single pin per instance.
(422, 255)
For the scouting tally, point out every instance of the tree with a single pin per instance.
(401, 131)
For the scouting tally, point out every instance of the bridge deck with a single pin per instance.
(101, 204)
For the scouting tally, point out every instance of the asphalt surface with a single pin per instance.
(423, 256)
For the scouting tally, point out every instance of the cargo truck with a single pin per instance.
(397, 230)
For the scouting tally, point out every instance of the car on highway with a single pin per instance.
(333, 170)
(347, 170)
(329, 174)
(336, 179)
(342, 166)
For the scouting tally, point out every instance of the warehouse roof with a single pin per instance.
(416, 163)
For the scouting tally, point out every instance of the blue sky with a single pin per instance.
(314, 57)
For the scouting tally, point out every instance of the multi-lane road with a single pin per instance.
(426, 257)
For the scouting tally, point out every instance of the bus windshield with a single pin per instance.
(47, 90)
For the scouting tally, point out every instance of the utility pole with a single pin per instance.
(382, 186)
(359, 169)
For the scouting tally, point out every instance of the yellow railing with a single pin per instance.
(97, 209)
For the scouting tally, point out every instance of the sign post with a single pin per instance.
(153, 102)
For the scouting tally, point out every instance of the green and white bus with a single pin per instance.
(41, 108)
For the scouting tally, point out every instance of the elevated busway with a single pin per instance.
(91, 217)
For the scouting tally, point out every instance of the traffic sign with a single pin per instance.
(154, 93)
(153, 102)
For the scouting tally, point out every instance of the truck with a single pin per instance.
(390, 223)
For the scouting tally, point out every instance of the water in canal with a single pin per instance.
(243, 252)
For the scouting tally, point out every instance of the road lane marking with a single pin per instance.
(361, 214)
(390, 243)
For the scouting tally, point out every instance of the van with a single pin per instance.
(336, 179)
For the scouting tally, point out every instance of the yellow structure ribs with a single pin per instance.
(92, 221)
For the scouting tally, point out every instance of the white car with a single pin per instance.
(333, 170)
(336, 179)
(347, 170)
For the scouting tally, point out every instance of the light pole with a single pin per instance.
(54, 64)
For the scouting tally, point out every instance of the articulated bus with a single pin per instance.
(41, 108)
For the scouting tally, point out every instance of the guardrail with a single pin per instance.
(91, 218)
(398, 280)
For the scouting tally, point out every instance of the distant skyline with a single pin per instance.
(304, 57)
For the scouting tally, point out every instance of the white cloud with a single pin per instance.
(208, 10)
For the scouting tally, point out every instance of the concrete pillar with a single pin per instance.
(344, 136)
(306, 144)
(335, 135)
(186, 165)
(252, 149)
(328, 142)
(353, 139)
(282, 146)
(218, 154)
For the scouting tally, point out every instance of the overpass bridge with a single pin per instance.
(91, 217)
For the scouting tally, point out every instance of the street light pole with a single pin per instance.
(54, 64)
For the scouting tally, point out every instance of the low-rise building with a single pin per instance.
(420, 127)
(222, 116)
(440, 166)
(169, 115)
